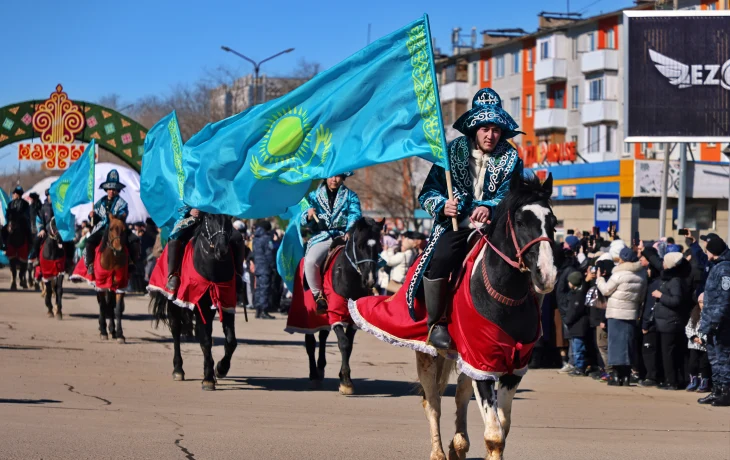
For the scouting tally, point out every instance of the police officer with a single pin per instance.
(264, 254)
(715, 320)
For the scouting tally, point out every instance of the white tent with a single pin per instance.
(40, 188)
(131, 193)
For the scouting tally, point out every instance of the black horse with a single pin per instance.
(18, 235)
(53, 250)
(355, 272)
(217, 257)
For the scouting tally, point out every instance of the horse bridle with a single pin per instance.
(519, 263)
(209, 236)
(356, 263)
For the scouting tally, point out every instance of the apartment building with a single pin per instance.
(564, 85)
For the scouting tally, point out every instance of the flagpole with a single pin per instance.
(454, 223)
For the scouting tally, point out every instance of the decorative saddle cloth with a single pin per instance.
(103, 280)
(303, 317)
(50, 269)
(193, 286)
(482, 350)
(18, 252)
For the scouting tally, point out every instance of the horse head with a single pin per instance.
(52, 230)
(214, 234)
(363, 249)
(529, 225)
(115, 234)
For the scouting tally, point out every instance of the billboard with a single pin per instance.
(677, 76)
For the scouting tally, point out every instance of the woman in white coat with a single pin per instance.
(400, 261)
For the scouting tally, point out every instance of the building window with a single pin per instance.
(609, 138)
(593, 138)
(711, 6)
(610, 39)
(711, 145)
(659, 146)
(592, 41)
(474, 73)
(574, 97)
(499, 64)
(544, 50)
(595, 89)
(627, 147)
(542, 101)
(528, 110)
(530, 57)
(486, 69)
(574, 140)
(559, 96)
(574, 46)
(515, 106)
(515, 63)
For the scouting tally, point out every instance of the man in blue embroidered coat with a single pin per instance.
(335, 209)
(482, 163)
(179, 237)
(110, 205)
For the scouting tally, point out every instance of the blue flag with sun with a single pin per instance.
(379, 105)
(291, 250)
(162, 177)
(74, 187)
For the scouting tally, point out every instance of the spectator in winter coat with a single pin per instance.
(400, 261)
(699, 365)
(264, 253)
(562, 297)
(576, 320)
(671, 311)
(625, 291)
(597, 316)
(650, 352)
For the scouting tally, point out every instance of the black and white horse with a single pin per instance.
(217, 257)
(355, 272)
(517, 261)
(53, 251)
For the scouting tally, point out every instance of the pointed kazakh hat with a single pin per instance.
(112, 182)
(486, 109)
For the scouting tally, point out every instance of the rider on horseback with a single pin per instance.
(110, 205)
(42, 218)
(334, 210)
(482, 162)
(183, 230)
(18, 212)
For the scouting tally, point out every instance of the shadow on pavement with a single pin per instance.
(29, 401)
(126, 317)
(363, 387)
(220, 341)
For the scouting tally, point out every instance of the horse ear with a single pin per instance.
(548, 184)
(515, 182)
(381, 223)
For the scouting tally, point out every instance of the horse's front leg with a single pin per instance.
(175, 315)
(48, 298)
(490, 400)
(118, 312)
(322, 358)
(111, 302)
(59, 297)
(310, 344)
(429, 371)
(229, 330)
(505, 395)
(22, 268)
(14, 274)
(345, 340)
(460, 444)
(205, 336)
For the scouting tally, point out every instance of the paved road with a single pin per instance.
(64, 394)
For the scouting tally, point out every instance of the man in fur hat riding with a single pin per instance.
(110, 205)
(482, 163)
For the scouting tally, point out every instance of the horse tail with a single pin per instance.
(159, 309)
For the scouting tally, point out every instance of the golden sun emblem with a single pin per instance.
(286, 147)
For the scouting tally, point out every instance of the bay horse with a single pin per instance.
(114, 260)
(355, 271)
(215, 255)
(53, 266)
(17, 249)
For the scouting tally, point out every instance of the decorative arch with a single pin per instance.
(119, 134)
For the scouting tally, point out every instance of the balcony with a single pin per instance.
(599, 111)
(454, 90)
(551, 70)
(551, 120)
(598, 61)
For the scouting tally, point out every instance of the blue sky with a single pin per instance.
(138, 48)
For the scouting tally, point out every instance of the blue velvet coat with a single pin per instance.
(338, 220)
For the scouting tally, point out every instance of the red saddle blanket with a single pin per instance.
(303, 317)
(482, 350)
(193, 286)
(103, 279)
(50, 269)
(17, 252)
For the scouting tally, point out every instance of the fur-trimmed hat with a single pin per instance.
(672, 259)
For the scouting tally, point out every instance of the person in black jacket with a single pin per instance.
(596, 303)
(671, 312)
(576, 319)
(264, 253)
(650, 351)
(562, 291)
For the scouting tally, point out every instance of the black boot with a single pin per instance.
(436, 293)
(89, 260)
(710, 398)
(321, 302)
(723, 396)
(615, 380)
(174, 259)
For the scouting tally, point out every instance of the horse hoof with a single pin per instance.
(320, 373)
(315, 384)
(59, 316)
(179, 376)
(218, 373)
(458, 447)
(121, 340)
(208, 385)
(49, 314)
(13, 287)
(347, 390)
(103, 336)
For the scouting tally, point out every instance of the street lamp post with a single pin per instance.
(726, 151)
(256, 68)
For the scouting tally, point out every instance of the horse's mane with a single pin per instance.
(524, 189)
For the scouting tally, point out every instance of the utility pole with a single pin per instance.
(681, 205)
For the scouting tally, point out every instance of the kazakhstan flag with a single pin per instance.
(4, 201)
(291, 251)
(162, 178)
(74, 187)
(379, 105)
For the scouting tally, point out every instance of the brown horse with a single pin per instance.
(113, 258)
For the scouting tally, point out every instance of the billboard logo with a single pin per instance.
(685, 75)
